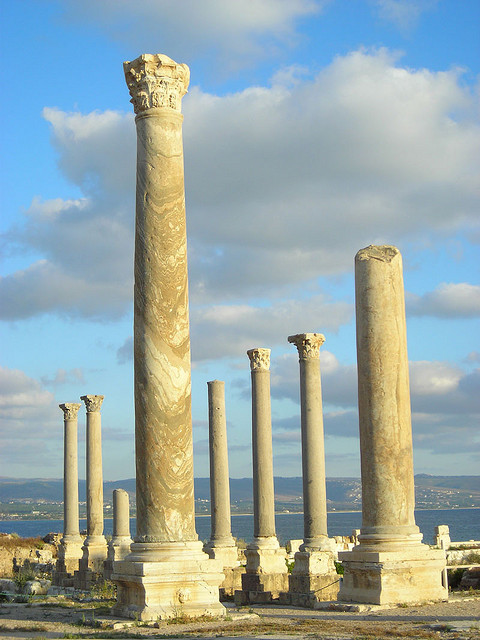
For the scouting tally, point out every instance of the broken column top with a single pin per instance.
(384, 253)
(155, 80)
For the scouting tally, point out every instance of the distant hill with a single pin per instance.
(342, 493)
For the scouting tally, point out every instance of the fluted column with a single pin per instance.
(71, 530)
(313, 450)
(95, 535)
(263, 488)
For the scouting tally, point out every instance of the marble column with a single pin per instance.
(266, 571)
(119, 545)
(390, 564)
(95, 545)
(166, 540)
(70, 550)
(313, 577)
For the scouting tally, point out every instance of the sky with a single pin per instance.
(312, 128)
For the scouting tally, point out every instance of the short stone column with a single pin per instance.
(313, 577)
(119, 545)
(222, 545)
(390, 564)
(166, 571)
(70, 550)
(95, 545)
(266, 571)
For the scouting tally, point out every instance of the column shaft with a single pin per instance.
(163, 423)
(263, 486)
(313, 450)
(121, 514)
(388, 497)
(71, 528)
(94, 468)
(221, 529)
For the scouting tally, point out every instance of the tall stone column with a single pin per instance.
(266, 571)
(390, 564)
(119, 545)
(221, 539)
(95, 545)
(70, 550)
(163, 425)
(222, 545)
(313, 577)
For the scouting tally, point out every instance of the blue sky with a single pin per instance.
(312, 129)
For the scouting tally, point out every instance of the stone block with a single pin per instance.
(406, 575)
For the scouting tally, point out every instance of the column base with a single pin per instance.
(118, 549)
(313, 579)
(69, 554)
(266, 573)
(90, 568)
(406, 574)
(157, 581)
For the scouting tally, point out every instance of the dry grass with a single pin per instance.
(12, 541)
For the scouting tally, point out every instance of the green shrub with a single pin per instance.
(454, 578)
(339, 568)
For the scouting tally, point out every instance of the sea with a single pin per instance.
(464, 525)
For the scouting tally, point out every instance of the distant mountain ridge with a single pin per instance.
(342, 493)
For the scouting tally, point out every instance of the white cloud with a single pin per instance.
(236, 33)
(449, 300)
(403, 13)
(284, 184)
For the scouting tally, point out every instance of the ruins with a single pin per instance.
(119, 545)
(95, 546)
(166, 568)
(314, 576)
(70, 550)
(390, 564)
(266, 573)
(222, 545)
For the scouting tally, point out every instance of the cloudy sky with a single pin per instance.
(312, 129)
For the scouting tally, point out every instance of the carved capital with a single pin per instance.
(92, 403)
(259, 359)
(308, 344)
(70, 410)
(156, 81)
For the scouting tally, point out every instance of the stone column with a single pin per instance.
(163, 424)
(95, 545)
(390, 564)
(266, 571)
(313, 577)
(222, 545)
(119, 545)
(70, 550)
(221, 539)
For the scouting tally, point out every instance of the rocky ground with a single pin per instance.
(458, 619)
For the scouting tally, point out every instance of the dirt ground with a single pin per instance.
(458, 619)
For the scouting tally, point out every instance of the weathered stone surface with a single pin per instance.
(221, 545)
(166, 570)
(119, 545)
(390, 565)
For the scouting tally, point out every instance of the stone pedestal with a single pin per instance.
(95, 546)
(70, 550)
(313, 577)
(390, 565)
(167, 573)
(119, 545)
(266, 571)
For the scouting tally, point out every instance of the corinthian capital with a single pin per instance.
(156, 81)
(308, 344)
(92, 403)
(70, 410)
(259, 359)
